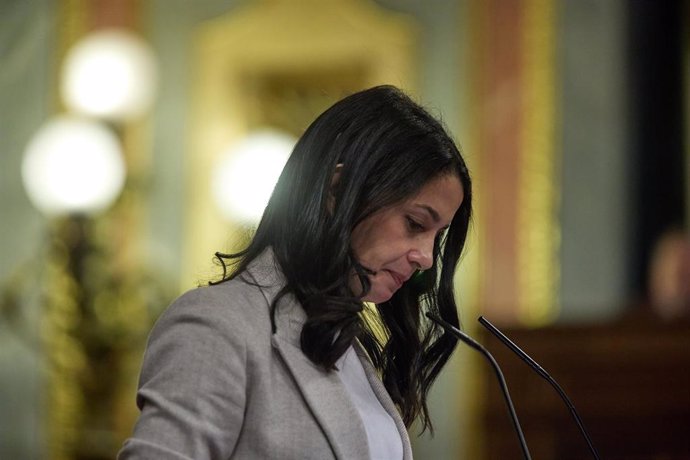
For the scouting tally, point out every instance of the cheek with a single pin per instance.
(364, 239)
(378, 248)
(364, 249)
(380, 239)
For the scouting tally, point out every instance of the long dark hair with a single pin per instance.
(386, 148)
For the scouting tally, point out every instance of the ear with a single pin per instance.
(335, 180)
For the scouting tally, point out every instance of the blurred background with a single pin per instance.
(138, 137)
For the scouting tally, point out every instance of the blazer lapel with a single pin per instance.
(323, 391)
(327, 398)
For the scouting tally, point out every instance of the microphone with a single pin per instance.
(539, 370)
(449, 328)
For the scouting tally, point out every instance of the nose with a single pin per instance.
(422, 255)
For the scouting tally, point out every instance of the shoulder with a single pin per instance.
(236, 310)
(200, 355)
(237, 295)
(208, 331)
(232, 306)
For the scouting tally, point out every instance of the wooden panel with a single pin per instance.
(629, 381)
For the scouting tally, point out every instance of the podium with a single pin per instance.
(629, 380)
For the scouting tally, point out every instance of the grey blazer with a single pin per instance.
(217, 384)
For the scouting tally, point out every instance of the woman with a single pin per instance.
(281, 359)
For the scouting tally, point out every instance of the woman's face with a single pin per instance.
(396, 241)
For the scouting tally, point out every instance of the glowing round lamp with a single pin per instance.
(73, 166)
(247, 173)
(109, 74)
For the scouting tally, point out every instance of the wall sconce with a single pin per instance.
(73, 165)
(109, 74)
(247, 172)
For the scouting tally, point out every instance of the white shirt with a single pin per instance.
(382, 434)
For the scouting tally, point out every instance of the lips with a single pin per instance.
(398, 278)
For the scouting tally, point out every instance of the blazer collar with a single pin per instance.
(323, 391)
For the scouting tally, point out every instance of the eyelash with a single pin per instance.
(414, 226)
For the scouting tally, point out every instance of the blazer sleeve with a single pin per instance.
(192, 388)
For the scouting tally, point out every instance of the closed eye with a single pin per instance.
(414, 226)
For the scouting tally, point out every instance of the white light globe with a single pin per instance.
(73, 165)
(109, 74)
(247, 173)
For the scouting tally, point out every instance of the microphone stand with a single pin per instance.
(539, 370)
(449, 328)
